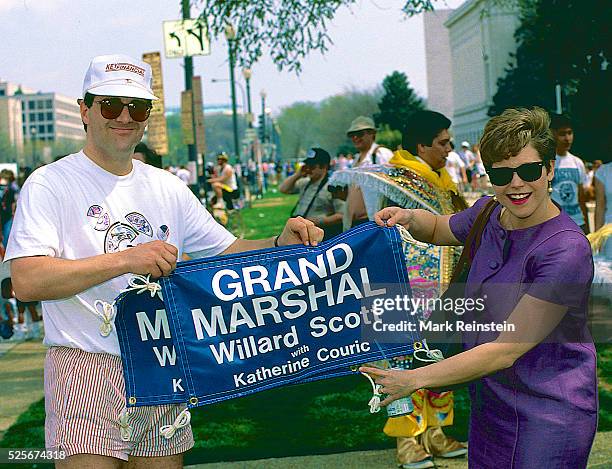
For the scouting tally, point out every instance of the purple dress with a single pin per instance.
(541, 412)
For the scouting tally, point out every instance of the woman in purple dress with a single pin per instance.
(533, 374)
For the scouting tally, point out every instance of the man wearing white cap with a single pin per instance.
(83, 225)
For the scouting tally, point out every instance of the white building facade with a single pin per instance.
(481, 36)
(36, 118)
(438, 62)
(50, 117)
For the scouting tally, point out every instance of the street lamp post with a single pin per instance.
(246, 73)
(33, 139)
(230, 35)
(262, 146)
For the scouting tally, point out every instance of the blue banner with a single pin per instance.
(238, 324)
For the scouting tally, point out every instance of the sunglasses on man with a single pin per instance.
(359, 133)
(528, 172)
(111, 108)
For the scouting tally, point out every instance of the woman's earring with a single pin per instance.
(550, 189)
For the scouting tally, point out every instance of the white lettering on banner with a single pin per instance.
(237, 286)
(176, 385)
(314, 295)
(284, 274)
(318, 268)
(257, 313)
(238, 310)
(287, 301)
(216, 317)
(365, 280)
(325, 354)
(161, 321)
(333, 267)
(271, 310)
(335, 324)
(166, 354)
(258, 275)
(263, 373)
(249, 280)
(247, 348)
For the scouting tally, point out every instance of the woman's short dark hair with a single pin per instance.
(507, 134)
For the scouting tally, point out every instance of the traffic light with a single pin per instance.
(261, 131)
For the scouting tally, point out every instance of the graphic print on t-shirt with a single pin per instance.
(120, 235)
(565, 187)
(139, 222)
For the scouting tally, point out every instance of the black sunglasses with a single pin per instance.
(139, 109)
(528, 172)
(359, 133)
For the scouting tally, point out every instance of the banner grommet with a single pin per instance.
(132, 400)
(193, 401)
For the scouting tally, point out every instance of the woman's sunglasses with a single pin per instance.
(528, 172)
(139, 109)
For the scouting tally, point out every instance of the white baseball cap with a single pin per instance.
(465, 143)
(118, 75)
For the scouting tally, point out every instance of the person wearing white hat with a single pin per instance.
(84, 225)
(362, 133)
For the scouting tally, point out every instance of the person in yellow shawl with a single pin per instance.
(418, 178)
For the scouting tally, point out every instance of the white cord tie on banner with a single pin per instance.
(124, 425)
(182, 420)
(375, 401)
(433, 355)
(142, 284)
(106, 312)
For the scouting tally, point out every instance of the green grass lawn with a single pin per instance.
(315, 418)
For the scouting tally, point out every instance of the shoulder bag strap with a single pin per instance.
(321, 184)
(474, 237)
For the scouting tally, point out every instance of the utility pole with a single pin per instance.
(188, 62)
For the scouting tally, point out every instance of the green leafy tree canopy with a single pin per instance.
(289, 29)
(565, 43)
(398, 103)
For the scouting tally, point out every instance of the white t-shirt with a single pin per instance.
(73, 209)
(229, 175)
(569, 174)
(454, 163)
(383, 155)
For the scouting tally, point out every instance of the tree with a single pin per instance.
(398, 103)
(338, 111)
(324, 124)
(566, 43)
(299, 128)
(289, 29)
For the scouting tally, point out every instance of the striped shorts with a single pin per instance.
(86, 411)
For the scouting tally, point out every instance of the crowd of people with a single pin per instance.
(88, 221)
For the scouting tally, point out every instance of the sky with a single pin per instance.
(47, 46)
